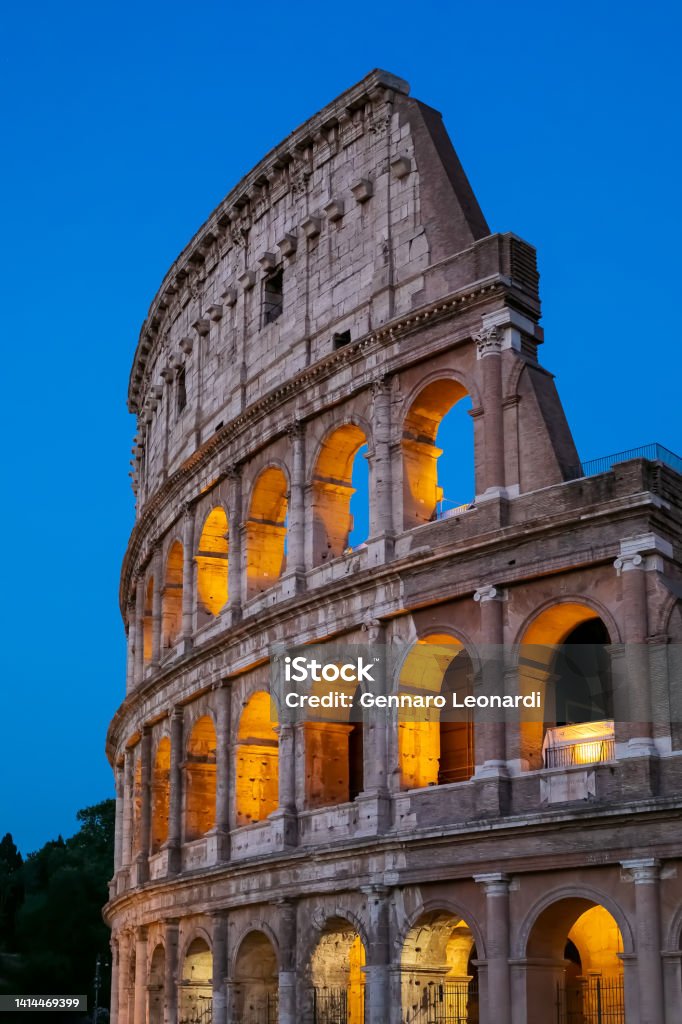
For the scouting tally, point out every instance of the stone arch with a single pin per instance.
(597, 607)
(587, 893)
(196, 989)
(572, 942)
(438, 967)
(436, 745)
(562, 654)
(211, 560)
(155, 989)
(172, 595)
(510, 383)
(442, 905)
(331, 487)
(266, 528)
(148, 622)
(424, 411)
(160, 794)
(255, 974)
(674, 931)
(200, 778)
(336, 971)
(256, 760)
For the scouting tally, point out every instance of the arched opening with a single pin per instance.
(155, 987)
(564, 656)
(257, 761)
(574, 948)
(434, 488)
(337, 975)
(266, 531)
(147, 624)
(256, 981)
(436, 744)
(136, 838)
(196, 991)
(334, 748)
(332, 491)
(439, 979)
(172, 596)
(211, 559)
(200, 779)
(160, 794)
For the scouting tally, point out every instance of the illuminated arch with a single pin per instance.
(422, 492)
(563, 656)
(337, 974)
(332, 491)
(200, 779)
(172, 596)
(257, 761)
(266, 530)
(435, 746)
(439, 978)
(148, 620)
(160, 794)
(211, 560)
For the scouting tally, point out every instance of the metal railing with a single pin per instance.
(591, 1001)
(200, 1014)
(445, 1002)
(333, 1006)
(652, 452)
(580, 752)
(446, 508)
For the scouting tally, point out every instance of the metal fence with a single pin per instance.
(581, 752)
(591, 1001)
(653, 452)
(201, 1014)
(447, 1002)
(330, 1006)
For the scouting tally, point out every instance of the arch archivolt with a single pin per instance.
(435, 905)
(251, 927)
(465, 380)
(198, 709)
(673, 940)
(323, 435)
(521, 934)
(195, 930)
(256, 469)
(512, 378)
(586, 601)
(322, 921)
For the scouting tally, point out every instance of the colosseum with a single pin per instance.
(346, 310)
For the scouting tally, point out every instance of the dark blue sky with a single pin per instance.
(125, 124)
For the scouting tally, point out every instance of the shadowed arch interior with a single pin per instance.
(438, 973)
(266, 530)
(200, 779)
(337, 973)
(256, 979)
(257, 761)
(195, 989)
(422, 491)
(211, 560)
(332, 491)
(155, 988)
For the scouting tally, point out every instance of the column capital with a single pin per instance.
(488, 592)
(642, 552)
(495, 883)
(380, 384)
(488, 342)
(643, 870)
(295, 430)
(373, 627)
(375, 890)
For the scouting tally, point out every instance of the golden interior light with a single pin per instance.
(148, 627)
(257, 761)
(211, 560)
(421, 492)
(172, 596)
(266, 530)
(200, 776)
(333, 490)
(160, 794)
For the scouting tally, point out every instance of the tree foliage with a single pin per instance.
(51, 926)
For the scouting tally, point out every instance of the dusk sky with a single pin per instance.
(125, 124)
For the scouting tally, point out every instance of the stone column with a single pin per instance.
(645, 874)
(497, 946)
(287, 969)
(128, 798)
(118, 827)
(381, 498)
(130, 660)
(296, 528)
(139, 630)
(489, 729)
(219, 943)
(489, 353)
(113, 1004)
(170, 973)
(635, 704)
(140, 1004)
(145, 804)
(124, 962)
(234, 563)
(175, 791)
(223, 766)
(377, 1001)
(285, 817)
(187, 578)
(157, 610)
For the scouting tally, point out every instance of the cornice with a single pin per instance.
(228, 219)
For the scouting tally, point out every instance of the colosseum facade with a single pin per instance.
(343, 301)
